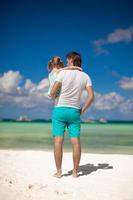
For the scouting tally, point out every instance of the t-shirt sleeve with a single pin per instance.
(88, 81)
(60, 77)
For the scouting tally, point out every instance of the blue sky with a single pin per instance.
(34, 31)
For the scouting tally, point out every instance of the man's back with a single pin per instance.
(73, 84)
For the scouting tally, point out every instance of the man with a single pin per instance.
(67, 110)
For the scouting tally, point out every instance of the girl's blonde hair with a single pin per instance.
(55, 62)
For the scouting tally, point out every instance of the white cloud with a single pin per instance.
(118, 35)
(98, 46)
(29, 85)
(126, 83)
(32, 95)
(28, 96)
(9, 82)
(110, 102)
(107, 101)
(43, 84)
(127, 106)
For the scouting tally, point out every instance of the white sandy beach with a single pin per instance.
(27, 175)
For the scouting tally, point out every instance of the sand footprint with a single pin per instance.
(37, 186)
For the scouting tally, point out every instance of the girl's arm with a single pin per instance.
(56, 86)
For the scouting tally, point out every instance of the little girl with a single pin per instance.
(55, 65)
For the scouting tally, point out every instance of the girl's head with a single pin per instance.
(74, 58)
(55, 62)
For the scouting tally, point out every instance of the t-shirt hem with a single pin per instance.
(67, 106)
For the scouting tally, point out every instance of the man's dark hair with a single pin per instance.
(76, 58)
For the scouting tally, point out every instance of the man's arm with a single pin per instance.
(56, 86)
(89, 100)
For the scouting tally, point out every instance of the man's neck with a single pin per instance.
(72, 67)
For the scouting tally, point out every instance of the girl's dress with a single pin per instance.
(52, 76)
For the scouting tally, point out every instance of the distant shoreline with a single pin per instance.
(83, 122)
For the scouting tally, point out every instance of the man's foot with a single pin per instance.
(58, 174)
(75, 173)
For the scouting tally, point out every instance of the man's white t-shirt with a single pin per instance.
(73, 84)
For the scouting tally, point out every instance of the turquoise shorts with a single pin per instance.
(63, 117)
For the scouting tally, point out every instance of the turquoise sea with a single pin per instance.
(95, 138)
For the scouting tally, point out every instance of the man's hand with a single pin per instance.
(81, 111)
(89, 99)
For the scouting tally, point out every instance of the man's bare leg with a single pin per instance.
(76, 155)
(58, 143)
